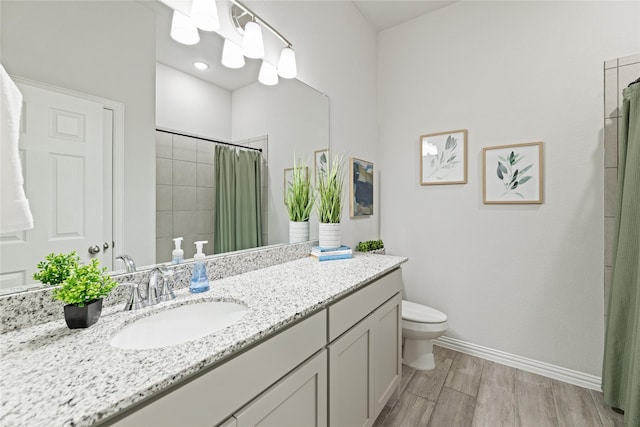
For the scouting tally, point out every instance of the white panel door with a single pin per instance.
(61, 145)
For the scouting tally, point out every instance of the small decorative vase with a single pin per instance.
(82, 317)
(298, 231)
(329, 235)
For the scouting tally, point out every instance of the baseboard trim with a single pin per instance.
(541, 368)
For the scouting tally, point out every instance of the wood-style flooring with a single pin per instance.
(464, 391)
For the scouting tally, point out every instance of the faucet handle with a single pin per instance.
(152, 288)
(165, 292)
(135, 301)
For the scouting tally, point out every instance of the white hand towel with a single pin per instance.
(15, 214)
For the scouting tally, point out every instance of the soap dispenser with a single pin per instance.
(177, 256)
(199, 279)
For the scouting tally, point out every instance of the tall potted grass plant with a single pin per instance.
(299, 203)
(329, 203)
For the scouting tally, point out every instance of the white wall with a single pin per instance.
(188, 104)
(336, 51)
(107, 49)
(526, 280)
(296, 119)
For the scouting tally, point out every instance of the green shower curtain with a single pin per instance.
(621, 371)
(238, 222)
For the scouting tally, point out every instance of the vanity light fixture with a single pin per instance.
(247, 23)
(183, 30)
(204, 15)
(268, 74)
(201, 65)
(287, 66)
(232, 56)
(252, 44)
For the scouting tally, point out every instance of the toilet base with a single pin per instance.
(418, 354)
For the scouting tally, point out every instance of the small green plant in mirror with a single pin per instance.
(56, 268)
(330, 186)
(369, 245)
(85, 284)
(299, 194)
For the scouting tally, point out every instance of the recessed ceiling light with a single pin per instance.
(200, 65)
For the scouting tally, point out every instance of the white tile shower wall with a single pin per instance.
(185, 188)
(618, 73)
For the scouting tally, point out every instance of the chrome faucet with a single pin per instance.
(136, 301)
(129, 265)
(160, 292)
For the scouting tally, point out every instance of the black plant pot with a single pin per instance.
(82, 317)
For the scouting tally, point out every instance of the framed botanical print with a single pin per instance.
(443, 158)
(513, 174)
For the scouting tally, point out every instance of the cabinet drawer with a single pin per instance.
(212, 397)
(355, 307)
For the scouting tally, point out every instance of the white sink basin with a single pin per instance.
(178, 325)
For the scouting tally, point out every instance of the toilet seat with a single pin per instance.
(419, 313)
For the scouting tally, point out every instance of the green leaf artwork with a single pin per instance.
(446, 160)
(511, 177)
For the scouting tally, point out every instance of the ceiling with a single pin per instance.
(384, 14)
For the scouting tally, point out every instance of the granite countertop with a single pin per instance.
(53, 376)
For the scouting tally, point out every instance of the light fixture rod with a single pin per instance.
(263, 22)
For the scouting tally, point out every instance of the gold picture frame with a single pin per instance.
(361, 188)
(443, 158)
(507, 178)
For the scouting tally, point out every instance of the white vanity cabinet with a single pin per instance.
(365, 365)
(300, 399)
(209, 398)
(337, 367)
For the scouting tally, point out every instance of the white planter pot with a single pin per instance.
(329, 235)
(298, 231)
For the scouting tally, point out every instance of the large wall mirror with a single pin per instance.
(122, 51)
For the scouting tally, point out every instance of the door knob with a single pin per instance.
(94, 249)
(105, 246)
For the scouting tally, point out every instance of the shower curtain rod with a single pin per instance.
(210, 140)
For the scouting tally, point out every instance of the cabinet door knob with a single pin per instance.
(94, 249)
(105, 245)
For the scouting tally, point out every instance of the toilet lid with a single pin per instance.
(421, 313)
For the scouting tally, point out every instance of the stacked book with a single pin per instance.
(329, 254)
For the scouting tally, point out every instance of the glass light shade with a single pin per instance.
(268, 74)
(287, 66)
(252, 44)
(182, 29)
(204, 15)
(232, 55)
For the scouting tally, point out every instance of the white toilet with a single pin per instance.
(420, 326)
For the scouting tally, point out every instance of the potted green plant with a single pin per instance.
(82, 287)
(372, 246)
(299, 203)
(329, 203)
